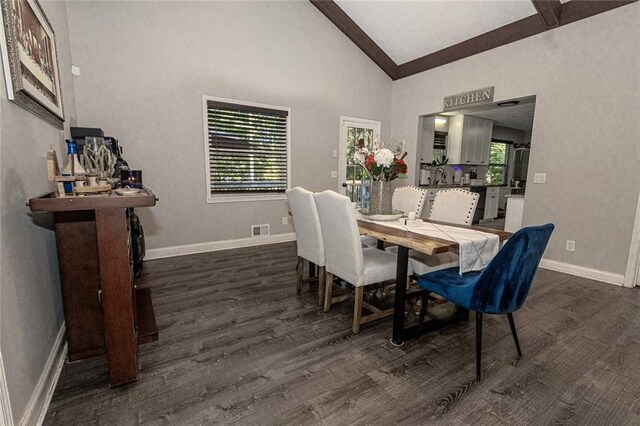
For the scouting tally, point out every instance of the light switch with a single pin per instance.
(540, 178)
(75, 70)
(334, 173)
(335, 154)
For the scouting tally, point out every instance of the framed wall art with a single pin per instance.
(30, 60)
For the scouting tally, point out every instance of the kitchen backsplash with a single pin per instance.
(450, 169)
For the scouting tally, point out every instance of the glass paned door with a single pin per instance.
(354, 180)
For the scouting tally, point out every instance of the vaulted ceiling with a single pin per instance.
(408, 37)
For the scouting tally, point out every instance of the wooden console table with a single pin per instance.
(103, 310)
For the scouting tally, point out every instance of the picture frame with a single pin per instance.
(30, 60)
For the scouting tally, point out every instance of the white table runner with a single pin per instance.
(476, 248)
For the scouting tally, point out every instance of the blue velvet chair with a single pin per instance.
(500, 288)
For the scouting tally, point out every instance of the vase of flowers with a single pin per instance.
(380, 195)
(383, 166)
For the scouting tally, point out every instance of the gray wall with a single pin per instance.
(145, 66)
(585, 131)
(30, 304)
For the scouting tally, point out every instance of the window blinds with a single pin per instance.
(247, 148)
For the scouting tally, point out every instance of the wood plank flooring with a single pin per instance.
(238, 346)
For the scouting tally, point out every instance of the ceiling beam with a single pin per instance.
(576, 10)
(345, 24)
(571, 11)
(549, 11)
(509, 33)
(551, 14)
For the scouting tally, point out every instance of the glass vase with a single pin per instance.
(380, 196)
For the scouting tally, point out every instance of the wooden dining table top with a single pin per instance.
(420, 242)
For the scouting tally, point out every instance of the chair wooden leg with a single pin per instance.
(423, 311)
(478, 344)
(328, 287)
(515, 334)
(357, 309)
(322, 278)
(299, 270)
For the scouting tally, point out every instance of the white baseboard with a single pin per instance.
(217, 245)
(584, 272)
(41, 396)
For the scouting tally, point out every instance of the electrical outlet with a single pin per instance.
(571, 245)
(335, 154)
(540, 178)
(75, 70)
(285, 220)
(334, 173)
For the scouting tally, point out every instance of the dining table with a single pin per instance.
(407, 240)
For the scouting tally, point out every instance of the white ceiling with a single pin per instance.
(517, 117)
(406, 30)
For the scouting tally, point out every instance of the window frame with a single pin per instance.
(233, 198)
(506, 165)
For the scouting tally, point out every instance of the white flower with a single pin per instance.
(384, 157)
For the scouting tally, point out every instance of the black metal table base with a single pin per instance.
(411, 332)
(400, 333)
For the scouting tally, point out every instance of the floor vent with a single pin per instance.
(260, 230)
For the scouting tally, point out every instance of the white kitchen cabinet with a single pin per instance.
(425, 150)
(483, 143)
(429, 126)
(469, 140)
(491, 202)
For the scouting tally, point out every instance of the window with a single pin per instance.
(498, 163)
(247, 150)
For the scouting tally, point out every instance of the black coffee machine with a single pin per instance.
(78, 134)
(137, 234)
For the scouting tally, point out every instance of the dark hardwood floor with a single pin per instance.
(239, 346)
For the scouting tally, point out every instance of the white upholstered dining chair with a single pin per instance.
(409, 199)
(405, 199)
(345, 257)
(310, 245)
(455, 206)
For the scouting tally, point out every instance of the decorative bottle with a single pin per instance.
(73, 166)
(457, 175)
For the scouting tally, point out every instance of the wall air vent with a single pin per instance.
(260, 230)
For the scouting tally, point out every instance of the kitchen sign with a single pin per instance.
(474, 97)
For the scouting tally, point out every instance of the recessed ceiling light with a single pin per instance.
(508, 103)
